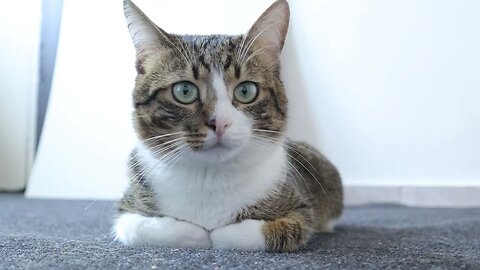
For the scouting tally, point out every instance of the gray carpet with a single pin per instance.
(43, 234)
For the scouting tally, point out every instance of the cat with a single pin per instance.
(213, 167)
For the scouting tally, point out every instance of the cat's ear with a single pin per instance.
(268, 33)
(147, 37)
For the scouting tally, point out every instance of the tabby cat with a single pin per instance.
(213, 167)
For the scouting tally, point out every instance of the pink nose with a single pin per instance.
(219, 126)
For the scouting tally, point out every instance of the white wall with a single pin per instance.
(19, 47)
(394, 87)
(387, 89)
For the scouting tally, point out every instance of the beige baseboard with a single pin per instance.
(414, 196)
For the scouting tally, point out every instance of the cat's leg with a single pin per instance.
(283, 234)
(288, 233)
(135, 229)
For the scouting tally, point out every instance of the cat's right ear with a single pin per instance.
(268, 33)
(147, 37)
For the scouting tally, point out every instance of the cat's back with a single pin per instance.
(316, 178)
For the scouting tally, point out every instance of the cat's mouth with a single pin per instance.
(218, 145)
(218, 150)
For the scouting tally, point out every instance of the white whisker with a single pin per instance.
(301, 164)
(155, 150)
(252, 41)
(161, 136)
(140, 174)
(256, 53)
(184, 47)
(324, 191)
(180, 51)
(240, 49)
(266, 130)
(90, 205)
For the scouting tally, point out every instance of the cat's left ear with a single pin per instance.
(268, 33)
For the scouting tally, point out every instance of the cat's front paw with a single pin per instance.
(135, 229)
(246, 235)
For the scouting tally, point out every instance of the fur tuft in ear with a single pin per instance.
(267, 35)
(147, 37)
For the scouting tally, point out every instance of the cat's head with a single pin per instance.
(212, 96)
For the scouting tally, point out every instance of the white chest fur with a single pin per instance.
(212, 195)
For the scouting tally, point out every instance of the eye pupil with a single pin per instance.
(246, 92)
(185, 92)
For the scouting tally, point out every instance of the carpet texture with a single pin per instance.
(45, 234)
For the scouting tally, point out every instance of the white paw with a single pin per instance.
(135, 229)
(246, 235)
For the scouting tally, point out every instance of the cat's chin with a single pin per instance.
(217, 154)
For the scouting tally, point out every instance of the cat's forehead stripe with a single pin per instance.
(237, 71)
(202, 61)
(228, 62)
(195, 72)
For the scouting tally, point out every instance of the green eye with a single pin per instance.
(246, 92)
(185, 92)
